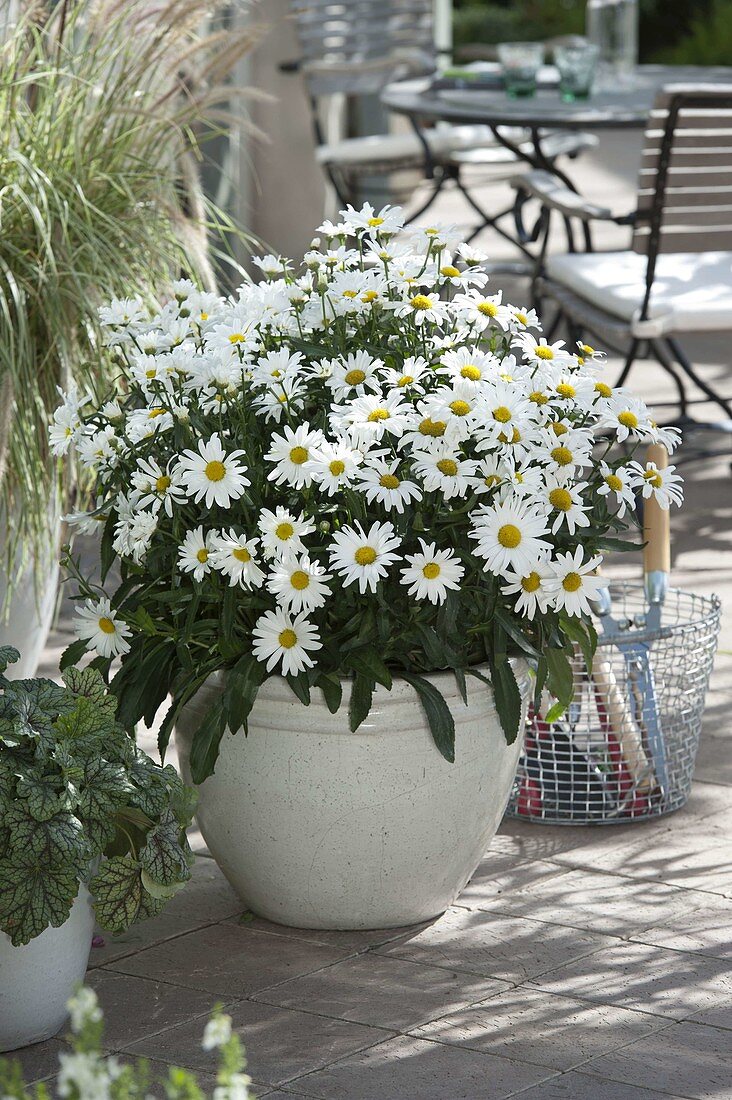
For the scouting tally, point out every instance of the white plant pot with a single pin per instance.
(27, 614)
(318, 827)
(36, 980)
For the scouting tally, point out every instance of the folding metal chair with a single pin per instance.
(353, 48)
(676, 278)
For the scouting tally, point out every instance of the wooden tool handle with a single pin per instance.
(656, 522)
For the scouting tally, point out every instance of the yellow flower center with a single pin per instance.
(502, 414)
(388, 481)
(544, 352)
(449, 271)
(628, 419)
(460, 408)
(287, 639)
(299, 579)
(522, 318)
(215, 471)
(565, 390)
(447, 467)
(432, 427)
(509, 536)
(284, 531)
(470, 371)
(355, 377)
(155, 412)
(561, 499)
(488, 309)
(405, 380)
(531, 583)
(369, 296)
(365, 555)
(298, 455)
(241, 554)
(515, 437)
(350, 294)
(202, 555)
(572, 582)
(106, 625)
(150, 373)
(491, 480)
(378, 414)
(559, 429)
(603, 389)
(373, 223)
(562, 456)
(614, 482)
(337, 467)
(236, 338)
(538, 397)
(431, 570)
(588, 350)
(162, 483)
(421, 301)
(653, 478)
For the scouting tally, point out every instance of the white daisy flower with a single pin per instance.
(445, 470)
(367, 419)
(625, 415)
(355, 374)
(279, 366)
(364, 557)
(414, 374)
(567, 453)
(299, 583)
(271, 266)
(541, 352)
(133, 534)
(669, 437)
(509, 537)
(291, 452)
(277, 637)
(99, 626)
(378, 481)
(530, 588)
(210, 474)
(663, 485)
(572, 585)
(523, 317)
(481, 310)
(565, 504)
(421, 308)
(155, 488)
(388, 220)
(283, 531)
(470, 364)
(504, 407)
(236, 557)
(333, 465)
(145, 423)
(448, 272)
(194, 553)
(431, 572)
(289, 394)
(618, 484)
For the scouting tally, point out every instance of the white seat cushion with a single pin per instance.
(692, 291)
(379, 148)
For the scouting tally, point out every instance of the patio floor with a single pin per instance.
(579, 963)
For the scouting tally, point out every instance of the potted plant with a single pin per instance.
(89, 826)
(101, 108)
(357, 488)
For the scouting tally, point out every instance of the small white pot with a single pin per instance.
(27, 613)
(36, 980)
(318, 827)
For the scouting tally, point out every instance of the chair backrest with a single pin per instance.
(685, 185)
(355, 47)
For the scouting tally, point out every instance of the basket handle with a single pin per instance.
(657, 536)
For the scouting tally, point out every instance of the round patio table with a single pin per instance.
(616, 108)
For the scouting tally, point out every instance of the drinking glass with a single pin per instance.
(577, 65)
(520, 62)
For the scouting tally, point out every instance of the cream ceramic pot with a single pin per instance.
(26, 613)
(318, 827)
(36, 980)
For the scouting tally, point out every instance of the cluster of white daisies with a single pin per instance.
(376, 419)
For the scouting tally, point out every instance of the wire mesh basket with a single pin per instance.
(626, 747)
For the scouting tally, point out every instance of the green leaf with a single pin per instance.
(89, 718)
(437, 712)
(300, 687)
(560, 678)
(8, 656)
(508, 699)
(369, 664)
(56, 840)
(72, 654)
(332, 688)
(33, 895)
(515, 632)
(584, 634)
(618, 545)
(362, 690)
(462, 686)
(240, 690)
(44, 795)
(206, 741)
(87, 682)
(117, 892)
(554, 713)
(104, 788)
(162, 857)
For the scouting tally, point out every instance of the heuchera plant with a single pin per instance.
(80, 802)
